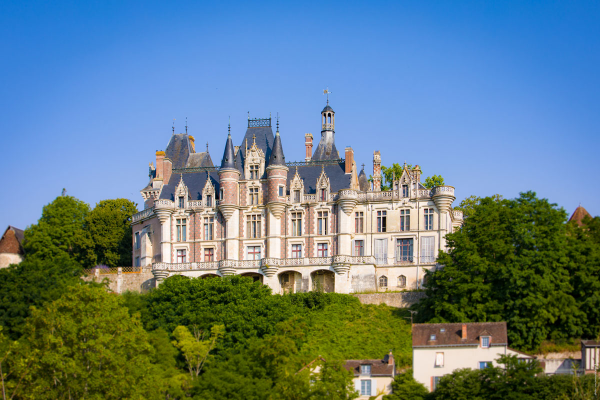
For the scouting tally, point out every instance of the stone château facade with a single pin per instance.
(296, 226)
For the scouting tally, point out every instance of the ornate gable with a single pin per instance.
(297, 188)
(208, 192)
(254, 165)
(323, 187)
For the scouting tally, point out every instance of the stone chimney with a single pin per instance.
(308, 142)
(349, 159)
(390, 358)
(464, 332)
(160, 157)
(417, 173)
(376, 171)
(167, 170)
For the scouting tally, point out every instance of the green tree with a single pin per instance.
(434, 180)
(58, 231)
(106, 236)
(405, 387)
(468, 205)
(84, 345)
(391, 173)
(195, 348)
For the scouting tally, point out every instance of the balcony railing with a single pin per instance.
(147, 213)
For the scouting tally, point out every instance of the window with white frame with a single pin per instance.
(405, 220)
(253, 171)
(359, 248)
(296, 224)
(281, 188)
(435, 381)
(427, 249)
(358, 222)
(485, 364)
(209, 254)
(181, 229)
(485, 342)
(253, 195)
(322, 250)
(428, 219)
(221, 193)
(253, 226)
(439, 360)
(404, 250)
(401, 281)
(381, 221)
(253, 253)
(381, 251)
(322, 217)
(383, 281)
(365, 370)
(296, 251)
(181, 256)
(365, 387)
(296, 196)
(209, 223)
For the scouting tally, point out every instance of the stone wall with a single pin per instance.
(398, 299)
(129, 281)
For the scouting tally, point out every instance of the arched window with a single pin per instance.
(401, 281)
(383, 281)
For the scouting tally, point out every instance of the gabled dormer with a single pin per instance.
(323, 187)
(297, 188)
(208, 193)
(181, 194)
(254, 166)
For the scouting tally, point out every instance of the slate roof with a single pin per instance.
(178, 150)
(197, 160)
(194, 181)
(579, 214)
(228, 160)
(264, 141)
(338, 179)
(363, 181)
(378, 367)
(326, 148)
(327, 108)
(452, 335)
(277, 157)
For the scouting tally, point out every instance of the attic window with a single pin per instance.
(485, 342)
(432, 337)
(208, 201)
(296, 196)
(181, 202)
(404, 190)
(323, 195)
(443, 330)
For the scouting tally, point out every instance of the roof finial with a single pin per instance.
(327, 92)
(186, 125)
(277, 122)
(363, 166)
(229, 126)
(207, 147)
(254, 137)
(248, 115)
(173, 126)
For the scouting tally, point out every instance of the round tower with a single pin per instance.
(277, 178)
(229, 176)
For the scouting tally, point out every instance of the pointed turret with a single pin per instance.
(229, 155)
(363, 181)
(277, 157)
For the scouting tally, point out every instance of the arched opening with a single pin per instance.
(209, 276)
(329, 118)
(255, 276)
(383, 282)
(290, 281)
(323, 281)
(402, 281)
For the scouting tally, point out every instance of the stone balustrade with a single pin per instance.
(457, 214)
(147, 213)
(442, 190)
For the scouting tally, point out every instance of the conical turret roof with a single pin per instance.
(363, 181)
(277, 157)
(579, 215)
(229, 155)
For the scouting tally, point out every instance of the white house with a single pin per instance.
(373, 377)
(439, 349)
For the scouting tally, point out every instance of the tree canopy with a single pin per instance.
(396, 171)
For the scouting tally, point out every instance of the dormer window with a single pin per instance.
(322, 194)
(296, 196)
(404, 190)
(254, 171)
(181, 202)
(485, 342)
(209, 201)
(365, 370)
(431, 337)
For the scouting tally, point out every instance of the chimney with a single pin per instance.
(390, 359)
(308, 142)
(464, 332)
(167, 170)
(417, 173)
(160, 156)
(349, 159)
(376, 171)
(192, 143)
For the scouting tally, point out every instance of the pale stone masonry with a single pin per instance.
(295, 226)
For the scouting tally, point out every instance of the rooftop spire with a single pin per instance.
(173, 126)
(186, 125)
(228, 155)
(277, 157)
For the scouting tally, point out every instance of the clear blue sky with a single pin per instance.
(498, 97)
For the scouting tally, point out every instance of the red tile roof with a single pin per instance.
(451, 334)
(579, 214)
(378, 367)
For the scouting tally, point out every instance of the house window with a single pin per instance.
(209, 255)
(181, 256)
(296, 251)
(253, 195)
(365, 370)
(429, 219)
(323, 195)
(405, 220)
(404, 190)
(358, 222)
(365, 387)
(253, 171)
(137, 261)
(181, 230)
(381, 221)
(221, 193)
(253, 226)
(381, 251)
(253, 253)
(322, 250)
(208, 228)
(137, 240)
(485, 342)
(401, 281)
(208, 201)
(296, 196)
(439, 360)
(181, 202)
(296, 224)
(427, 249)
(322, 222)
(383, 281)
(404, 250)
(484, 364)
(359, 247)
(432, 337)
(280, 191)
(435, 380)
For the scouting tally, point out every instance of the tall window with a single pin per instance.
(296, 196)
(253, 226)
(365, 387)
(436, 382)
(383, 281)
(281, 191)
(181, 256)
(381, 250)
(404, 190)
(181, 230)
(358, 222)
(381, 221)
(253, 195)
(485, 342)
(181, 202)
(322, 194)
(296, 251)
(439, 360)
(221, 193)
(402, 281)
(428, 219)
(359, 247)
(322, 217)
(253, 253)
(404, 250)
(296, 224)
(209, 223)
(405, 220)
(427, 249)
(208, 201)
(322, 250)
(209, 255)
(137, 240)
(253, 171)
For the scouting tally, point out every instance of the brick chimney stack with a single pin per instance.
(464, 332)
(349, 159)
(376, 171)
(390, 358)
(308, 142)
(160, 157)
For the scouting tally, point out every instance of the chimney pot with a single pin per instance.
(349, 159)
(464, 332)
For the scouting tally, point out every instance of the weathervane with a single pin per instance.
(327, 92)
(186, 125)
(277, 122)
(173, 126)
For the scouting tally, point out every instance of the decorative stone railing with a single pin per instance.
(457, 214)
(425, 193)
(164, 204)
(440, 190)
(147, 213)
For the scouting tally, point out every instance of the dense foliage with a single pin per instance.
(396, 171)
(518, 261)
